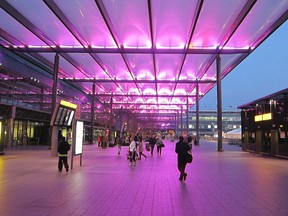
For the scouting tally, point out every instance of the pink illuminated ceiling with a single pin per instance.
(143, 55)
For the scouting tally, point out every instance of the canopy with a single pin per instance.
(237, 131)
(145, 57)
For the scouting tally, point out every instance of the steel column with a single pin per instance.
(181, 121)
(92, 114)
(197, 114)
(54, 129)
(55, 81)
(187, 118)
(219, 103)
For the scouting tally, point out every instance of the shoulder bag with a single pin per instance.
(189, 158)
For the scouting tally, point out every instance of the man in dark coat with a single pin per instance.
(63, 149)
(152, 142)
(182, 149)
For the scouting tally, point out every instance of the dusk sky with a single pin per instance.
(263, 72)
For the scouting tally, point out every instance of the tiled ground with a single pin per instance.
(218, 183)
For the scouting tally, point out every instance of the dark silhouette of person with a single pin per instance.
(182, 149)
(152, 142)
(63, 149)
(119, 143)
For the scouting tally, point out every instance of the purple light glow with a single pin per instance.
(185, 43)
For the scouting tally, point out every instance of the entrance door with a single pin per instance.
(266, 142)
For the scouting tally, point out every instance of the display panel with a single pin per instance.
(63, 114)
(79, 138)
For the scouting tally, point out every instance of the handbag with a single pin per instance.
(147, 147)
(189, 158)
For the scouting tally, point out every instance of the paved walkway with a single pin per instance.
(218, 183)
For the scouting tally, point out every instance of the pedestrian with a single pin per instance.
(99, 140)
(182, 149)
(119, 143)
(132, 152)
(189, 139)
(63, 149)
(141, 149)
(152, 142)
(159, 144)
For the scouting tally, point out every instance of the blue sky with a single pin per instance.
(263, 72)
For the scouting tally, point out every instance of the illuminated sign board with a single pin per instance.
(263, 117)
(79, 138)
(64, 114)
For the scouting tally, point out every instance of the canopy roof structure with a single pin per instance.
(143, 56)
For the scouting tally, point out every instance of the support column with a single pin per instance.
(181, 121)
(219, 103)
(187, 118)
(54, 129)
(10, 127)
(2, 135)
(176, 126)
(55, 81)
(178, 122)
(197, 115)
(120, 123)
(92, 114)
(110, 135)
(42, 98)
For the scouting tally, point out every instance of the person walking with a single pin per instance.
(159, 144)
(152, 142)
(132, 152)
(182, 149)
(141, 149)
(119, 143)
(63, 149)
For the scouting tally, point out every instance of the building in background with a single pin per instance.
(264, 125)
(208, 123)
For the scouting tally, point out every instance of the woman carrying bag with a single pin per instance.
(182, 149)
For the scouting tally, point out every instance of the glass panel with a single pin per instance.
(215, 19)
(66, 69)
(204, 89)
(130, 21)
(165, 88)
(114, 66)
(88, 21)
(184, 89)
(44, 19)
(193, 66)
(227, 63)
(147, 88)
(168, 66)
(24, 36)
(211, 73)
(89, 66)
(172, 22)
(141, 66)
(257, 24)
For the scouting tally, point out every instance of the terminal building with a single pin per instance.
(231, 120)
(264, 125)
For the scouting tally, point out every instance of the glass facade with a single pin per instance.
(208, 122)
